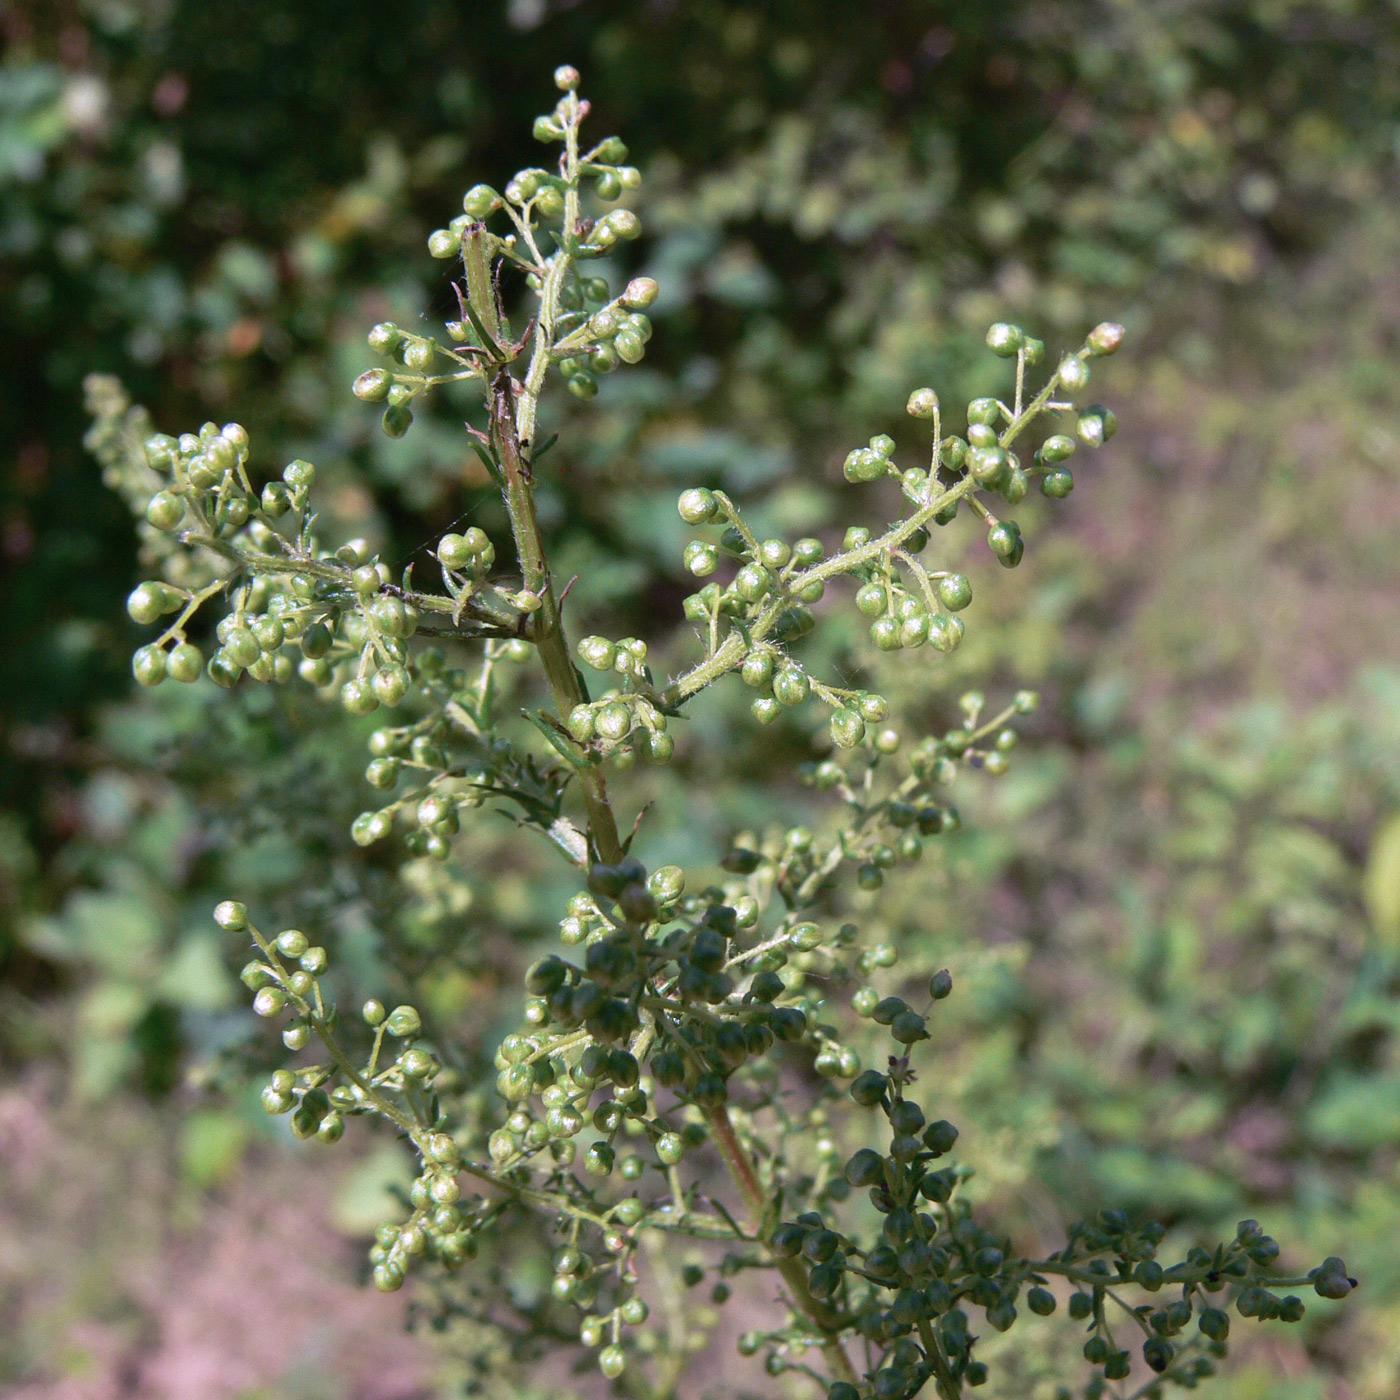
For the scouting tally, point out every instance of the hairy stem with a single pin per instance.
(546, 628)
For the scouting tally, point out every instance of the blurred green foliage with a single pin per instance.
(1180, 973)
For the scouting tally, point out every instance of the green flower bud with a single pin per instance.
(640, 293)
(866, 1168)
(1073, 374)
(990, 466)
(184, 663)
(944, 632)
(952, 453)
(1106, 337)
(373, 385)
(872, 599)
(1004, 540)
(1058, 483)
(479, 202)
(148, 665)
(700, 558)
(1329, 1280)
(752, 582)
(923, 403)
(276, 1100)
(1096, 425)
(885, 632)
(940, 1136)
(597, 652)
(292, 943)
(1004, 339)
(403, 1022)
(629, 346)
(863, 465)
(847, 729)
(697, 505)
(774, 554)
(791, 686)
(389, 684)
(231, 915)
(269, 1001)
(869, 1087)
(954, 592)
(757, 670)
(149, 601)
(788, 1023)
(299, 475)
(624, 223)
(358, 697)
(908, 1027)
(613, 721)
(165, 510)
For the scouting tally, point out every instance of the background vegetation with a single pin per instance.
(1176, 924)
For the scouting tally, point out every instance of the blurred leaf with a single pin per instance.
(366, 1197)
(211, 1146)
(1383, 881)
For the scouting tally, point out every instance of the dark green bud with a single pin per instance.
(887, 1009)
(940, 1136)
(1158, 1353)
(1215, 1323)
(787, 1240)
(867, 1167)
(668, 1068)
(824, 1280)
(869, 1087)
(788, 1023)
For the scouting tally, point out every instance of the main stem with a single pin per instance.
(546, 626)
(547, 633)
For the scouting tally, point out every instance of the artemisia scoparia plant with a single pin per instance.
(657, 1040)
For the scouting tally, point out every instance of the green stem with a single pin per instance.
(948, 1387)
(546, 629)
(756, 1198)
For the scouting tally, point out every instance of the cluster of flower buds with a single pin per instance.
(908, 1290)
(676, 1014)
(622, 723)
(751, 623)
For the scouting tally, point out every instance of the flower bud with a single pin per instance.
(231, 915)
(1074, 374)
(403, 1022)
(640, 293)
(1004, 339)
(1106, 337)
